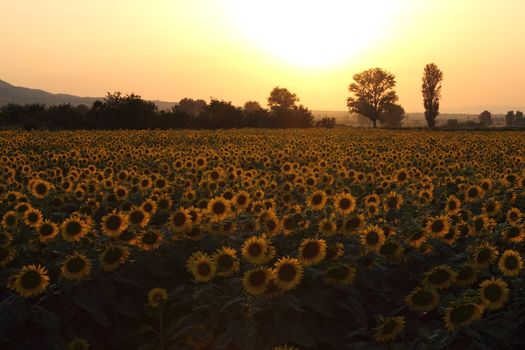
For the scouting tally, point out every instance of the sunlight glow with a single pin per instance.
(314, 33)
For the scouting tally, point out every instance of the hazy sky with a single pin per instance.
(238, 50)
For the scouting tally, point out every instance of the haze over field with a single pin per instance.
(239, 50)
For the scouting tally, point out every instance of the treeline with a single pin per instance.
(118, 111)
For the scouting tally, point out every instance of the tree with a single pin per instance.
(393, 116)
(373, 94)
(281, 99)
(191, 107)
(284, 111)
(255, 116)
(431, 90)
(510, 119)
(520, 120)
(485, 119)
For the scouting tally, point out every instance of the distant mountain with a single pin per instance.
(21, 95)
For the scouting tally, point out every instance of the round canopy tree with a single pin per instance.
(372, 94)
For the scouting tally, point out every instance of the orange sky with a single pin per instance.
(238, 50)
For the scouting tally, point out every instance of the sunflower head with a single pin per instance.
(78, 344)
(439, 277)
(287, 273)
(157, 296)
(388, 328)
(312, 251)
(510, 263)
(202, 266)
(31, 280)
(226, 261)
(256, 281)
(494, 293)
(422, 299)
(76, 267)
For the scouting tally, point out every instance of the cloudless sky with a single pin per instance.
(238, 50)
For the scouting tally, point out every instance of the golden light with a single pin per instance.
(314, 33)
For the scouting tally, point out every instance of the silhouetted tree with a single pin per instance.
(393, 116)
(485, 119)
(255, 116)
(431, 90)
(219, 115)
(281, 99)
(191, 107)
(372, 94)
(284, 111)
(510, 119)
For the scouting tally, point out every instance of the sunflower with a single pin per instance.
(317, 200)
(241, 201)
(481, 224)
(417, 238)
(514, 216)
(388, 328)
(7, 254)
(9, 220)
(78, 344)
(33, 217)
(452, 205)
(510, 263)
(353, 224)
(137, 217)
(340, 275)
(514, 234)
(335, 251)
(484, 255)
(439, 277)
(422, 300)
(287, 273)
(180, 221)
(73, 229)
(114, 223)
(451, 236)
(157, 296)
(219, 208)
(466, 275)
(40, 188)
(344, 203)
(149, 206)
(392, 250)
(372, 238)
(473, 194)
(284, 347)
(22, 207)
(372, 210)
(257, 250)
(46, 231)
(201, 266)
(437, 226)
(494, 292)
(269, 223)
(256, 281)
(312, 251)
(290, 224)
(150, 240)
(226, 261)
(76, 267)
(328, 226)
(31, 280)
(392, 201)
(113, 256)
(461, 313)
(491, 208)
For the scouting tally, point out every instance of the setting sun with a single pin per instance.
(312, 33)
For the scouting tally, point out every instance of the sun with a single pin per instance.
(313, 33)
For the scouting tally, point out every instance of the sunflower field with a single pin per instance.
(262, 239)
